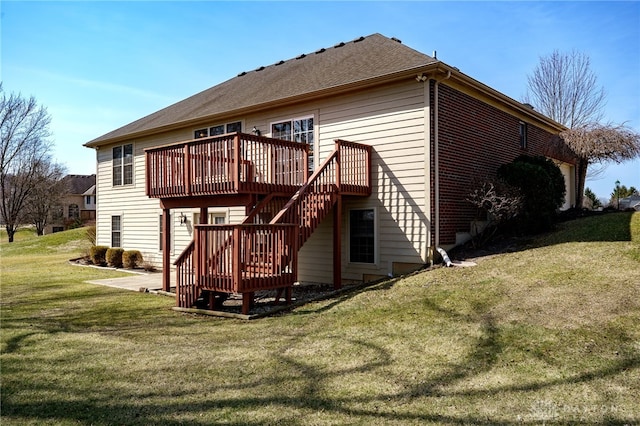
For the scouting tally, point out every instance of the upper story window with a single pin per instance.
(297, 130)
(220, 129)
(123, 165)
(523, 135)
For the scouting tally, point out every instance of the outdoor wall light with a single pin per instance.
(183, 219)
(256, 131)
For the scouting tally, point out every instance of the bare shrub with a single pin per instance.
(498, 202)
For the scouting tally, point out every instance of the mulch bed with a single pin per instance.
(265, 301)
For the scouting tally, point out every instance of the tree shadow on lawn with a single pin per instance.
(312, 384)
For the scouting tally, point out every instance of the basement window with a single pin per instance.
(362, 236)
(116, 231)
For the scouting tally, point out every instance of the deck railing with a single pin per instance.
(226, 164)
(246, 257)
(186, 291)
(345, 171)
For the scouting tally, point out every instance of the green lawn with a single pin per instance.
(546, 335)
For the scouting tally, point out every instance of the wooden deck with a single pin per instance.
(235, 163)
(248, 257)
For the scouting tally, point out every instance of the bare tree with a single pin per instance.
(24, 147)
(46, 194)
(564, 88)
(599, 144)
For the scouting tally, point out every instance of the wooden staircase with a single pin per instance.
(254, 255)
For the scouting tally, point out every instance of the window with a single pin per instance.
(362, 236)
(116, 231)
(220, 129)
(87, 200)
(214, 218)
(74, 211)
(123, 165)
(57, 229)
(297, 130)
(523, 135)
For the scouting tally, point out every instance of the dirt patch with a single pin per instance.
(265, 302)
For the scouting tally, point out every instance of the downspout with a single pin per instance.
(436, 160)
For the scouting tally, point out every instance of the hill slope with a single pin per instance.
(548, 334)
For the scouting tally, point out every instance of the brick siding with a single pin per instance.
(475, 139)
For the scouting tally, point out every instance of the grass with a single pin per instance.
(546, 335)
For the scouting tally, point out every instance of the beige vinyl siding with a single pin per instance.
(391, 119)
(316, 256)
(141, 214)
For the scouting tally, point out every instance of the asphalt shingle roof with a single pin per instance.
(79, 184)
(359, 60)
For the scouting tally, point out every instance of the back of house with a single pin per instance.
(433, 132)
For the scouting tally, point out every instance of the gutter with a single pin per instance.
(436, 158)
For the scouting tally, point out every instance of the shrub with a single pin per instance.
(114, 257)
(541, 183)
(98, 255)
(131, 259)
(498, 203)
(91, 234)
(148, 263)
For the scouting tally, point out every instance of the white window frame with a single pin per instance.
(122, 163)
(375, 236)
(116, 231)
(206, 132)
(312, 131)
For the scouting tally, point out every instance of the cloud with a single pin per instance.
(78, 82)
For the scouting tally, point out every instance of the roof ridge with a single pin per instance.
(317, 52)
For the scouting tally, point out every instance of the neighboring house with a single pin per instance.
(420, 133)
(631, 202)
(77, 206)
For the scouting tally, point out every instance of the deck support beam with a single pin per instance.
(166, 250)
(337, 244)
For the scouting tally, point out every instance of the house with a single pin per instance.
(78, 204)
(369, 148)
(631, 202)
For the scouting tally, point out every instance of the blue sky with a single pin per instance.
(99, 65)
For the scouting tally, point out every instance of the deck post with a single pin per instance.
(187, 169)
(166, 250)
(204, 215)
(337, 244)
(236, 162)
